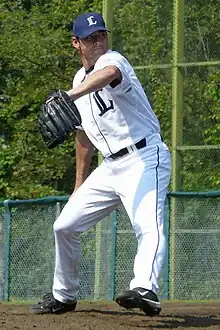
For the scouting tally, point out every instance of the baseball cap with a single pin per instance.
(87, 23)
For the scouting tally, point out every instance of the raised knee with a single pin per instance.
(65, 225)
(61, 226)
(57, 226)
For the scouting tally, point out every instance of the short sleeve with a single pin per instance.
(116, 59)
(78, 78)
(76, 81)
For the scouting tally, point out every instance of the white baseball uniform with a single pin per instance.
(135, 171)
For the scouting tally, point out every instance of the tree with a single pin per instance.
(36, 56)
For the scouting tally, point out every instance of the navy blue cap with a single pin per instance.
(87, 23)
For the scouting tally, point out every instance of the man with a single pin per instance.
(118, 120)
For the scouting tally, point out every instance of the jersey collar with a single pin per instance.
(89, 69)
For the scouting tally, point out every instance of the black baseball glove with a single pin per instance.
(59, 116)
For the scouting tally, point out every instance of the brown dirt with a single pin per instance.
(101, 316)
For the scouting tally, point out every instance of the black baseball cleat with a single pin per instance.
(145, 300)
(50, 305)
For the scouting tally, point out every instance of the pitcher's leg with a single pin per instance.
(90, 204)
(145, 207)
(68, 252)
(66, 275)
(148, 219)
(151, 251)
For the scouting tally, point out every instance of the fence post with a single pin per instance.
(113, 255)
(1, 253)
(98, 247)
(108, 17)
(167, 257)
(7, 232)
(177, 91)
(57, 209)
(177, 119)
(107, 12)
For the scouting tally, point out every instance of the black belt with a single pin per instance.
(141, 144)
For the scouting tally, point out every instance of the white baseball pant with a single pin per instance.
(139, 180)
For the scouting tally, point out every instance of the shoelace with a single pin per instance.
(48, 296)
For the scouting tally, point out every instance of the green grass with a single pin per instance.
(98, 302)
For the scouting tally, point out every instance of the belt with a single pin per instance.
(141, 144)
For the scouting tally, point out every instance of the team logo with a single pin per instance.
(91, 21)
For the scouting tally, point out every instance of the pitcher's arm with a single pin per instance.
(84, 153)
(96, 81)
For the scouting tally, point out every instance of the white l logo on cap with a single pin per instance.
(90, 20)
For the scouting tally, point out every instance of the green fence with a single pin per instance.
(174, 47)
(191, 269)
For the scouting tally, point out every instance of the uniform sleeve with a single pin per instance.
(76, 81)
(122, 64)
(79, 76)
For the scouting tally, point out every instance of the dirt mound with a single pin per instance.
(109, 316)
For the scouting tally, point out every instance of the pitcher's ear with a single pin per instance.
(75, 42)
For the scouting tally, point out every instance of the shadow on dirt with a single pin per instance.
(174, 321)
(169, 321)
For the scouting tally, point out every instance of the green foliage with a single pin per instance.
(212, 116)
(143, 32)
(36, 56)
(200, 168)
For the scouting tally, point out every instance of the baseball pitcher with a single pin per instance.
(115, 117)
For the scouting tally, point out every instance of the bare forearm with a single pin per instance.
(84, 152)
(96, 81)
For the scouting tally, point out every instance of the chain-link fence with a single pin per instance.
(174, 47)
(27, 253)
(194, 247)
(191, 268)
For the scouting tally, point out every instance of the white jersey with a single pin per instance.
(116, 117)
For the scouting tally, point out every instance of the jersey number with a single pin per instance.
(101, 104)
